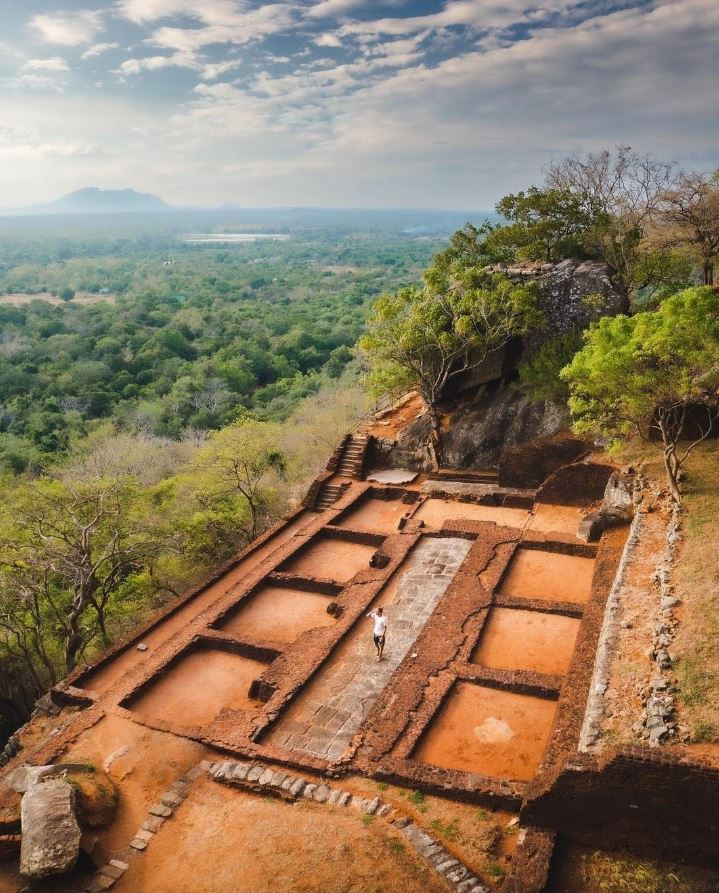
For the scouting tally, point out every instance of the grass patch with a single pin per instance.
(367, 819)
(495, 870)
(416, 797)
(448, 830)
(396, 846)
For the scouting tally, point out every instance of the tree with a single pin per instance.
(425, 335)
(66, 554)
(653, 373)
(240, 459)
(625, 190)
(66, 294)
(689, 220)
(547, 224)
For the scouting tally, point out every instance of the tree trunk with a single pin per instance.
(671, 468)
(434, 447)
(708, 272)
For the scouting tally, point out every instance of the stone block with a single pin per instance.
(171, 799)
(446, 866)
(457, 874)
(309, 791)
(144, 834)
(255, 773)
(297, 787)
(138, 844)
(240, 771)
(153, 823)
(266, 777)
(112, 871)
(50, 832)
(321, 794)
(160, 809)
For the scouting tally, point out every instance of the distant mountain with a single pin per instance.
(101, 201)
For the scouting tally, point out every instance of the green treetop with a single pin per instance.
(653, 372)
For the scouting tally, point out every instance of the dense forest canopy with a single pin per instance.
(163, 335)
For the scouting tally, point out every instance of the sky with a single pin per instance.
(341, 103)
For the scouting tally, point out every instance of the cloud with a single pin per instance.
(327, 40)
(56, 63)
(99, 49)
(68, 28)
(208, 11)
(332, 8)
(153, 63)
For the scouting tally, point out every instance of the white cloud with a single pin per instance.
(56, 63)
(327, 40)
(68, 28)
(327, 9)
(99, 49)
(153, 63)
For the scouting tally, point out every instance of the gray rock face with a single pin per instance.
(564, 289)
(478, 432)
(50, 832)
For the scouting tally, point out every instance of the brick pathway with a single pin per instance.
(326, 716)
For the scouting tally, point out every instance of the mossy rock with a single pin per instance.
(96, 796)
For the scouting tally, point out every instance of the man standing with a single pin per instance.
(380, 630)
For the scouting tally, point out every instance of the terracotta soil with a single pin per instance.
(552, 576)
(279, 614)
(557, 519)
(330, 559)
(488, 731)
(194, 690)
(527, 640)
(223, 840)
(375, 515)
(141, 762)
(105, 676)
(434, 512)
(395, 420)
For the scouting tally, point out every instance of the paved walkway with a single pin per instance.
(326, 716)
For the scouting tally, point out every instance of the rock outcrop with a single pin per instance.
(484, 416)
(50, 832)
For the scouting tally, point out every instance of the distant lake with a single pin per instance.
(233, 237)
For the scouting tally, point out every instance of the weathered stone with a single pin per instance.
(401, 822)
(298, 786)
(159, 809)
(344, 798)
(372, 806)
(240, 771)
(50, 832)
(138, 844)
(445, 867)
(171, 799)
(144, 834)
(119, 864)
(457, 874)
(112, 871)
(153, 823)
(255, 773)
(321, 794)
(309, 791)
(266, 777)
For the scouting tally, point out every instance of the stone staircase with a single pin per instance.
(352, 459)
(328, 495)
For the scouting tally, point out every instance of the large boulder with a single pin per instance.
(572, 294)
(50, 832)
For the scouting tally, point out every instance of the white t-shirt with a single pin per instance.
(380, 623)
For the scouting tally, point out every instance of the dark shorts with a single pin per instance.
(378, 640)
